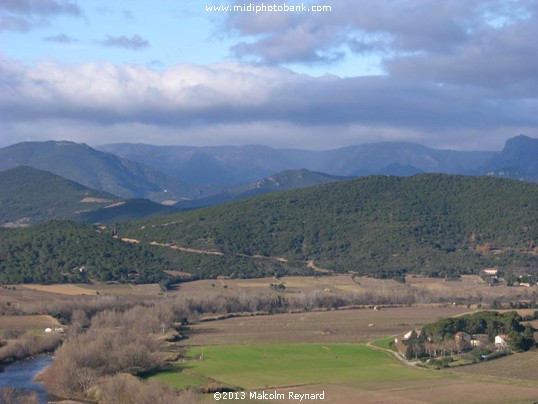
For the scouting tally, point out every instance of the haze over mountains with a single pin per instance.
(94, 169)
(229, 164)
(201, 176)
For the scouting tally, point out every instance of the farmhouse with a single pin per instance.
(462, 339)
(407, 335)
(490, 271)
(501, 341)
(479, 340)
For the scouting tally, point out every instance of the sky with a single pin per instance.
(321, 74)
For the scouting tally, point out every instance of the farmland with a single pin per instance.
(518, 366)
(27, 323)
(310, 349)
(341, 326)
(275, 365)
(347, 373)
(471, 288)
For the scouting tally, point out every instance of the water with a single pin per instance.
(21, 374)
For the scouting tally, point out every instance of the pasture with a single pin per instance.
(347, 373)
(275, 365)
(335, 326)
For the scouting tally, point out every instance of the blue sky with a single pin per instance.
(460, 74)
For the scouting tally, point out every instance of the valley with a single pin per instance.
(294, 283)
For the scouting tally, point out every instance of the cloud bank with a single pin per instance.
(461, 74)
(198, 99)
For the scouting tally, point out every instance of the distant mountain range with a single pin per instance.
(201, 176)
(241, 164)
(211, 165)
(29, 196)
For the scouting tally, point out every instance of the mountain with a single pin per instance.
(380, 225)
(243, 164)
(29, 196)
(291, 179)
(95, 169)
(517, 160)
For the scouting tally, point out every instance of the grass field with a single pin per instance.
(383, 343)
(39, 322)
(262, 366)
(347, 374)
(178, 379)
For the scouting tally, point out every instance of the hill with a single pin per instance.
(124, 211)
(61, 252)
(95, 169)
(29, 196)
(384, 226)
(291, 179)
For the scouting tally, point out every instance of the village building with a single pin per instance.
(491, 271)
(479, 340)
(501, 341)
(462, 339)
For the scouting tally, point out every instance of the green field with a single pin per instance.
(383, 343)
(258, 366)
(178, 379)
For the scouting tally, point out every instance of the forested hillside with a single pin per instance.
(28, 195)
(60, 252)
(385, 226)
(381, 226)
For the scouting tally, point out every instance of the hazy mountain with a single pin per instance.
(517, 160)
(290, 179)
(229, 164)
(29, 196)
(95, 169)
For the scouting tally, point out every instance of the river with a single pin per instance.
(21, 374)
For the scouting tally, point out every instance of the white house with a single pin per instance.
(501, 341)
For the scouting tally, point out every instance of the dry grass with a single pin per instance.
(39, 322)
(432, 289)
(349, 326)
(63, 289)
(445, 390)
(517, 366)
(125, 289)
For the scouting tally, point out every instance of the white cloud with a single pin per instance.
(233, 103)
